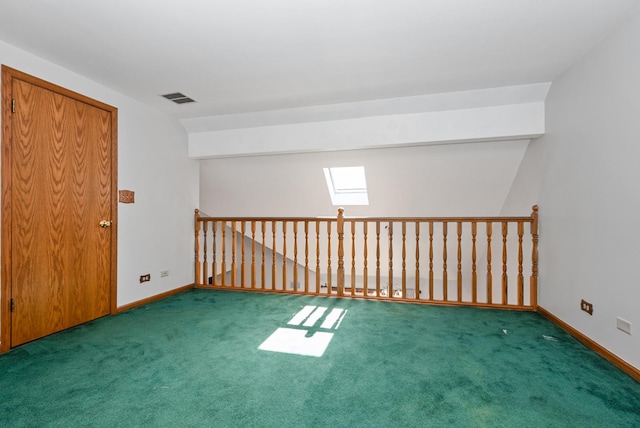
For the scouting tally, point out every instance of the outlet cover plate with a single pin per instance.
(586, 306)
(623, 325)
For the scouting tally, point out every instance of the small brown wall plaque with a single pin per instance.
(126, 196)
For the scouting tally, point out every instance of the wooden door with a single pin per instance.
(61, 187)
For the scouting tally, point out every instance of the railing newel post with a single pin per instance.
(534, 258)
(317, 256)
(340, 226)
(197, 247)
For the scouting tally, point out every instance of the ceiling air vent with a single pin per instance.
(179, 98)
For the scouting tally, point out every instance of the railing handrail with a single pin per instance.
(231, 218)
(495, 219)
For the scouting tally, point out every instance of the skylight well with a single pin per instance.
(347, 185)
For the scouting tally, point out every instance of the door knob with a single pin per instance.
(105, 223)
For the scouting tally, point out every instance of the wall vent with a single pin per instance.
(179, 98)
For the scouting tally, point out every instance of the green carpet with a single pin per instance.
(192, 360)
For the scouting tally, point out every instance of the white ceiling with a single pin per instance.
(238, 56)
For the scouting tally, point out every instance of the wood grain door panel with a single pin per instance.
(61, 188)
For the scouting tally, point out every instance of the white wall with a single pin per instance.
(585, 175)
(155, 233)
(446, 180)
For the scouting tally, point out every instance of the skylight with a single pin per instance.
(347, 185)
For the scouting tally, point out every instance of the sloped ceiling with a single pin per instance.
(249, 55)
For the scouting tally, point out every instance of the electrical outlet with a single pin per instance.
(623, 325)
(586, 306)
(164, 273)
(145, 278)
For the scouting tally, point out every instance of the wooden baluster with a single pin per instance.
(253, 254)
(417, 290)
(489, 276)
(214, 270)
(340, 252)
(377, 259)
(317, 257)
(353, 258)
(431, 260)
(505, 287)
(445, 278)
(365, 273)
(520, 258)
(284, 255)
(243, 279)
(474, 273)
(223, 252)
(306, 256)
(233, 253)
(211, 268)
(196, 248)
(263, 273)
(390, 234)
(205, 273)
(273, 255)
(404, 260)
(533, 282)
(459, 261)
(295, 256)
(329, 285)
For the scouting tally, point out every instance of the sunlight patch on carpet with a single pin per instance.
(310, 341)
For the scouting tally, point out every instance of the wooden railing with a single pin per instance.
(438, 260)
